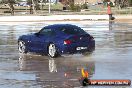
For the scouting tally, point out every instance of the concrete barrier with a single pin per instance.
(52, 18)
(94, 22)
(77, 17)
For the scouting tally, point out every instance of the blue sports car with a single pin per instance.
(57, 39)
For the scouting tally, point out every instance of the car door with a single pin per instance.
(40, 41)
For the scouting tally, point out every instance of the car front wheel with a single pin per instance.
(22, 47)
(52, 51)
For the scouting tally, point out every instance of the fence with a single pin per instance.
(58, 10)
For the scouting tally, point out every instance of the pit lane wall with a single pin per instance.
(53, 18)
(92, 22)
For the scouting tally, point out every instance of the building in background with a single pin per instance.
(93, 2)
(66, 2)
(85, 1)
(81, 1)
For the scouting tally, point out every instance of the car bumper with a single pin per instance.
(78, 48)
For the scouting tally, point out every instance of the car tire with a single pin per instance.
(22, 47)
(52, 50)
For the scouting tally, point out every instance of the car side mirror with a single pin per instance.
(37, 34)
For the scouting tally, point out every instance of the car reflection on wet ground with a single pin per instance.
(110, 60)
(62, 72)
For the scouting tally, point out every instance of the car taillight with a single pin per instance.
(67, 42)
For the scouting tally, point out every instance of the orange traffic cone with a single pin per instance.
(109, 10)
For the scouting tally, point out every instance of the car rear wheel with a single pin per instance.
(52, 51)
(22, 47)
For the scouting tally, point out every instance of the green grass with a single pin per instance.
(53, 7)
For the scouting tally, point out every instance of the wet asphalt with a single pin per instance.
(112, 58)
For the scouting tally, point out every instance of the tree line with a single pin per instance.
(123, 3)
(34, 4)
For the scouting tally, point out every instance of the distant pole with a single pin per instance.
(84, 1)
(49, 6)
(41, 4)
(33, 6)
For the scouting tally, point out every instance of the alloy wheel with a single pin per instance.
(52, 51)
(21, 47)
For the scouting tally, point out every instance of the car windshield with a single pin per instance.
(72, 30)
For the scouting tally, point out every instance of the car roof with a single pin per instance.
(59, 25)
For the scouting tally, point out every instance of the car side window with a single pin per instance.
(46, 31)
(72, 30)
